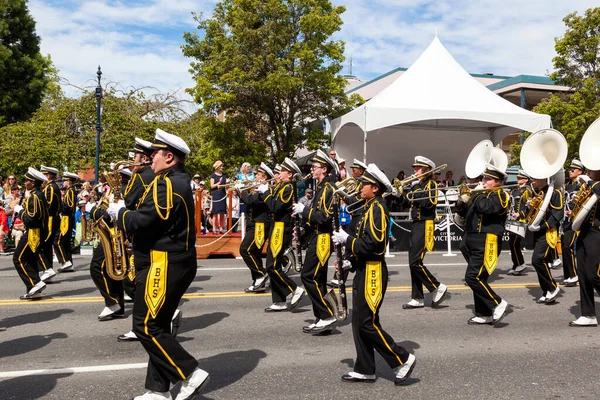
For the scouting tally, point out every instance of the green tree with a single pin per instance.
(22, 67)
(271, 67)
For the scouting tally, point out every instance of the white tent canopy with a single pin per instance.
(435, 109)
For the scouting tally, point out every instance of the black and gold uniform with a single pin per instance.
(588, 257)
(53, 198)
(485, 216)
(519, 198)
(165, 260)
(369, 245)
(62, 247)
(569, 236)
(545, 241)
(35, 218)
(423, 209)
(318, 227)
(258, 226)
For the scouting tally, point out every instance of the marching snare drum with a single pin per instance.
(516, 227)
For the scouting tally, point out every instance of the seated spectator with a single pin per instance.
(245, 173)
(307, 199)
(18, 229)
(448, 181)
(196, 184)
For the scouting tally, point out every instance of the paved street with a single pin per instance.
(532, 354)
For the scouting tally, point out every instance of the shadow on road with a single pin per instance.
(74, 292)
(32, 318)
(26, 344)
(201, 321)
(227, 368)
(24, 388)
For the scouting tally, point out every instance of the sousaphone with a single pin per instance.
(588, 154)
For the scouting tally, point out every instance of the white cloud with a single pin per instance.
(138, 42)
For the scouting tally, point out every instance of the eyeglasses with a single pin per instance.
(315, 166)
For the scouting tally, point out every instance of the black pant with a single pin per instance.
(588, 258)
(473, 248)
(25, 260)
(62, 245)
(568, 254)
(252, 253)
(516, 254)
(542, 255)
(111, 290)
(169, 362)
(45, 257)
(419, 274)
(281, 284)
(366, 329)
(314, 276)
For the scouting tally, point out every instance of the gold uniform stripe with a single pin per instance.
(183, 377)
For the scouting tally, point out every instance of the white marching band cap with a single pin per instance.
(577, 164)
(323, 158)
(277, 168)
(70, 175)
(35, 175)
(421, 161)
(374, 175)
(264, 168)
(290, 166)
(358, 164)
(523, 174)
(143, 147)
(494, 172)
(165, 140)
(51, 170)
(124, 170)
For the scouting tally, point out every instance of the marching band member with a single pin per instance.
(35, 217)
(545, 239)
(370, 284)
(569, 236)
(165, 261)
(62, 247)
(318, 219)
(423, 214)
(588, 256)
(520, 196)
(258, 226)
(52, 194)
(279, 199)
(485, 215)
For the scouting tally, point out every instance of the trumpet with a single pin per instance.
(231, 185)
(346, 187)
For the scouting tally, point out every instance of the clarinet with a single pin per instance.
(297, 222)
(343, 309)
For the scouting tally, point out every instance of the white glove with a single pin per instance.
(347, 264)
(113, 209)
(534, 228)
(479, 186)
(584, 179)
(262, 188)
(414, 183)
(340, 237)
(298, 208)
(18, 209)
(238, 186)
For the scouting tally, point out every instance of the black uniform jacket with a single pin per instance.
(279, 199)
(35, 212)
(520, 197)
(319, 216)
(424, 200)
(137, 186)
(593, 218)
(164, 219)
(571, 189)
(52, 194)
(485, 212)
(370, 242)
(555, 211)
(69, 203)
(256, 209)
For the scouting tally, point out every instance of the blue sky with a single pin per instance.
(138, 42)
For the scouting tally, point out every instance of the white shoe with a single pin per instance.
(542, 299)
(47, 275)
(584, 321)
(296, 297)
(260, 282)
(324, 325)
(150, 395)
(193, 384)
(109, 310)
(37, 288)
(551, 296)
(403, 372)
(521, 268)
(66, 267)
(557, 263)
(510, 272)
(499, 312)
(439, 295)
(277, 306)
(128, 337)
(127, 298)
(414, 304)
(54, 258)
(480, 321)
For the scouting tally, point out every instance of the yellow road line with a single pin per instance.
(224, 295)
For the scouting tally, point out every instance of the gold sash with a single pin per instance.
(49, 227)
(429, 230)
(259, 234)
(276, 240)
(373, 285)
(131, 273)
(33, 238)
(323, 247)
(552, 237)
(64, 225)
(490, 258)
(156, 282)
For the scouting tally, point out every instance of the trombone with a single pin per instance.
(463, 189)
(400, 184)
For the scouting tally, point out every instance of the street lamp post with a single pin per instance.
(98, 125)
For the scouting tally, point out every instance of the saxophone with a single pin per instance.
(534, 207)
(113, 240)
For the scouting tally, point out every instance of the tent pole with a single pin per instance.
(365, 137)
